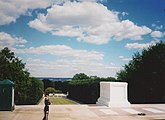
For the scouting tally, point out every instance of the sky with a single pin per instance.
(60, 38)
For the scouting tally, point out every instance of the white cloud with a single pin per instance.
(7, 40)
(37, 24)
(157, 34)
(69, 62)
(124, 13)
(140, 46)
(68, 68)
(157, 27)
(124, 58)
(129, 30)
(62, 51)
(10, 10)
(79, 19)
(111, 63)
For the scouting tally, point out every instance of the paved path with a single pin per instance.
(86, 112)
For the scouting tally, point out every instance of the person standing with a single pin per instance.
(46, 107)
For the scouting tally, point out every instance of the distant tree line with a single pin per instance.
(28, 90)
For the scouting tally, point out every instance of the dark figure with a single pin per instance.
(46, 108)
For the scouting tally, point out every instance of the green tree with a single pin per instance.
(145, 75)
(121, 76)
(47, 83)
(80, 76)
(49, 90)
(12, 68)
(38, 90)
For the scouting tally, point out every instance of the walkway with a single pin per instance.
(86, 112)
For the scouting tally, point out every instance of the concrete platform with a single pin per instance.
(86, 112)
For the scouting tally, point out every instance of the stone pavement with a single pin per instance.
(86, 112)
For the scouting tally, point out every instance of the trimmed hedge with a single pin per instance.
(85, 91)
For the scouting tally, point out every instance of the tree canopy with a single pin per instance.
(12, 68)
(145, 75)
(80, 76)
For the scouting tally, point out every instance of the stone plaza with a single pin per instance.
(86, 112)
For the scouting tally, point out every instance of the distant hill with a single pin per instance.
(54, 79)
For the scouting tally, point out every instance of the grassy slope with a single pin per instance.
(61, 101)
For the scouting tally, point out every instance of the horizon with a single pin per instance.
(53, 78)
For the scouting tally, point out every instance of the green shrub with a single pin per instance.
(85, 91)
(35, 91)
(49, 90)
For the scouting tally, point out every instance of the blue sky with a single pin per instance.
(59, 38)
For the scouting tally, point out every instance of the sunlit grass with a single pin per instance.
(60, 101)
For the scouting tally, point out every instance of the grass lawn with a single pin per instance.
(61, 101)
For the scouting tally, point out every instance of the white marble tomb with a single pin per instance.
(113, 94)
